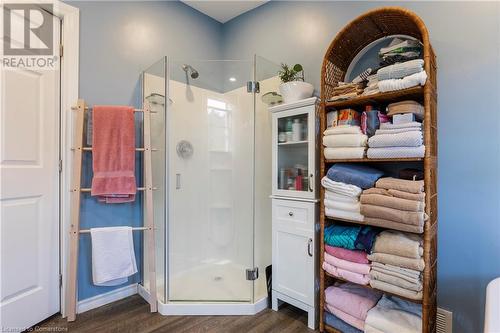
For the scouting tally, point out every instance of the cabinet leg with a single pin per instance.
(276, 303)
(311, 318)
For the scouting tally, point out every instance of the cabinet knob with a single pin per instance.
(290, 213)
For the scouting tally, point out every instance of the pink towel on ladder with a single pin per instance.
(113, 154)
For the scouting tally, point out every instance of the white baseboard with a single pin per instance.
(106, 298)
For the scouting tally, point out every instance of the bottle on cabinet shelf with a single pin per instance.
(296, 130)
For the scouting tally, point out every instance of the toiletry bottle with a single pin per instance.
(289, 130)
(298, 180)
(296, 130)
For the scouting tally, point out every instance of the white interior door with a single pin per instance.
(29, 197)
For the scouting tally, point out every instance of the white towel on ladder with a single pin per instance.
(113, 257)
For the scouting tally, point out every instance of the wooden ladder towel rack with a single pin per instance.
(76, 192)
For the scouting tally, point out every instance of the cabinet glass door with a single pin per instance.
(292, 153)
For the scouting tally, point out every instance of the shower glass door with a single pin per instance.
(210, 168)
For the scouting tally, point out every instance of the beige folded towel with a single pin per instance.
(404, 273)
(392, 202)
(396, 193)
(396, 281)
(391, 259)
(399, 243)
(384, 286)
(393, 225)
(398, 275)
(396, 215)
(411, 186)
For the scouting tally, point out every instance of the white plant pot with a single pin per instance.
(295, 91)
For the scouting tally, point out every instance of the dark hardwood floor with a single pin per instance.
(132, 315)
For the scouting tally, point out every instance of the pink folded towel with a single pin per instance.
(113, 154)
(351, 320)
(352, 299)
(347, 265)
(357, 278)
(349, 255)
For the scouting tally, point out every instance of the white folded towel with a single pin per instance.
(397, 130)
(343, 129)
(405, 139)
(396, 152)
(400, 70)
(349, 207)
(413, 124)
(345, 140)
(343, 214)
(404, 83)
(329, 195)
(341, 188)
(340, 153)
(113, 257)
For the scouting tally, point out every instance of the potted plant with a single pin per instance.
(293, 88)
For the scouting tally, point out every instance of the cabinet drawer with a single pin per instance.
(296, 214)
(289, 212)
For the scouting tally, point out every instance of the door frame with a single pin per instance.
(69, 85)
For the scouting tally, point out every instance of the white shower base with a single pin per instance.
(211, 289)
(213, 282)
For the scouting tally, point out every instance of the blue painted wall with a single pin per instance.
(117, 42)
(465, 36)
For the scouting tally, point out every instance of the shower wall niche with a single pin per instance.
(212, 208)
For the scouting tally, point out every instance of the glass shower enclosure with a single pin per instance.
(212, 174)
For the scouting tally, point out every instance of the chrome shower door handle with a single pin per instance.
(309, 251)
(177, 181)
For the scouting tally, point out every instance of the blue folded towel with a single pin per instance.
(355, 174)
(339, 324)
(351, 237)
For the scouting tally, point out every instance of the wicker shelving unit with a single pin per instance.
(355, 36)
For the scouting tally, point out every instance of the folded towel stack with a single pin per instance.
(397, 141)
(345, 91)
(339, 324)
(350, 238)
(400, 50)
(395, 204)
(340, 203)
(397, 264)
(350, 265)
(350, 303)
(371, 86)
(401, 75)
(394, 315)
(344, 142)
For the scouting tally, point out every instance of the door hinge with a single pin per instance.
(61, 50)
(252, 273)
(253, 87)
(60, 166)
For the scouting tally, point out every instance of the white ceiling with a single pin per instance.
(224, 11)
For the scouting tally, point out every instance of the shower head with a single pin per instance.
(191, 71)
